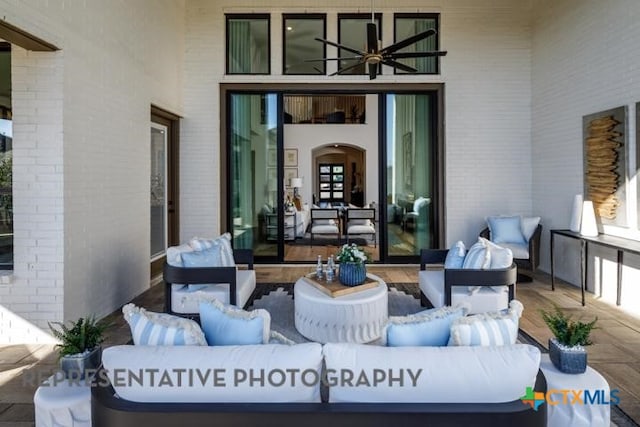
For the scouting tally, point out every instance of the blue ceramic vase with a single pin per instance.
(352, 273)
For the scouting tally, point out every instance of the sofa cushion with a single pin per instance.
(455, 256)
(149, 328)
(213, 371)
(444, 374)
(478, 257)
(492, 298)
(324, 229)
(505, 229)
(488, 329)
(186, 300)
(426, 328)
(229, 325)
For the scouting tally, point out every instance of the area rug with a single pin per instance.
(404, 298)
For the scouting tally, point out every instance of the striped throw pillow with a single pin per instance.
(227, 260)
(149, 328)
(487, 329)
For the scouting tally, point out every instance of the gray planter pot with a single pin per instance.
(570, 360)
(77, 366)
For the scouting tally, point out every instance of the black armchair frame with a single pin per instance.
(533, 262)
(213, 275)
(466, 277)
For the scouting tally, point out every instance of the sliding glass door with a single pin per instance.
(411, 177)
(255, 180)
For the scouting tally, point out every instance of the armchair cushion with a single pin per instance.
(505, 229)
(529, 225)
(478, 257)
(224, 241)
(185, 300)
(518, 250)
(486, 298)
(455, 256)
(501, 256)
(488, 329)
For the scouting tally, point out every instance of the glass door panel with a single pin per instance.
(410, 166)
(158, 188)
(255, 178)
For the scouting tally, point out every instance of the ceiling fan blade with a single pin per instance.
(398, 65)
(372, 38)
(343, 70)
(399, 55)
(373, 71)
(408, 41)
(347, 48)
(342, 58)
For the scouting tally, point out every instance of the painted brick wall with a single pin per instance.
(487, 102)
(81, 144)
(586, 59)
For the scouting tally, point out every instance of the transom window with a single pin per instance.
(299, 33)
(407, 25)
(248, 44)
(352, 32)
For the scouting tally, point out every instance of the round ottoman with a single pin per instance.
(357, 317)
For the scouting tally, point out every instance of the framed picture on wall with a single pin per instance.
(290, 157)
(289, 173)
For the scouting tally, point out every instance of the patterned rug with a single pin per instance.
(404, 298)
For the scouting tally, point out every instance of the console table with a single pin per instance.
(618, 243)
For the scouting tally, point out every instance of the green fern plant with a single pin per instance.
(567, 331)
(84, 334)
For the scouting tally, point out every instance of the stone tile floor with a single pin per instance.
(616, 352)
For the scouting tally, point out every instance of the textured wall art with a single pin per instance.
(605, 164)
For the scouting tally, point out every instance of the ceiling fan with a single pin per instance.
(374, 55)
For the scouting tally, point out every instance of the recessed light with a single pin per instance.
(289, 28)
(336, 145)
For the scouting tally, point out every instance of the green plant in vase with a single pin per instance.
(566, 350)
(352, 260)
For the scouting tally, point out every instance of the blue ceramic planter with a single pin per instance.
(352, 274)
(568, 360)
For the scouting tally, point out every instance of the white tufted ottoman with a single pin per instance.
(357, 318)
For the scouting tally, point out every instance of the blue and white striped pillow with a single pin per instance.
(224, 241)
(487, 329)
(149, 328)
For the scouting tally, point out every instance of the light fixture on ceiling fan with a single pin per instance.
(374, 55)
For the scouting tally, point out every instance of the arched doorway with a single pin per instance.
(338, 175)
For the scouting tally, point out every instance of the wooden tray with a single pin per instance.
(337, 289)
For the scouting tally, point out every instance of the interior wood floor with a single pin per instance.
(307, 253)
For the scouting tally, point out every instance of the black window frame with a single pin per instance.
(256, 16)
(365, 17)
(301, 16)
(436, 17)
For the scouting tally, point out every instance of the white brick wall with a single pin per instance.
(586, 58)
(81, 147)
(487, 100)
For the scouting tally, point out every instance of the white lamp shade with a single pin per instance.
(576, 214)
(296, 182)
(589, 226)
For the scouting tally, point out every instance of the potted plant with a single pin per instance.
(352, 270)
(79, 349)
(566, 350)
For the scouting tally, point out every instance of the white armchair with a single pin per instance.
(325, 222)
(361, 221)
